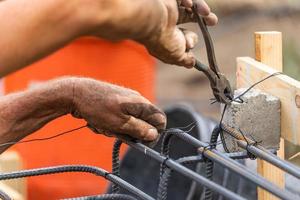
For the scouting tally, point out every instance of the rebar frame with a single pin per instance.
(205, 152)
(260, 152)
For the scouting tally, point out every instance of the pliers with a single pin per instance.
(219, 83)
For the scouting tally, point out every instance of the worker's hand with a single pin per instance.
(153, 23)
(115, 110)
(172, 44)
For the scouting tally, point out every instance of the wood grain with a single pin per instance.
(268, 55)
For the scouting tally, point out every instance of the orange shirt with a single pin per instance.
(125, 63)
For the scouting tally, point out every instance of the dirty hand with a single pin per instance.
(116, 111)
(172, 44)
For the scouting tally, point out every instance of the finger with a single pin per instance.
(189, 10)
(202, 7)
(211, 19)
(139, 129)
(146, 112)
(187, 3)
(187, 60)
(191, 39)
(185, 16)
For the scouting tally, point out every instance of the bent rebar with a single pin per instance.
(77, 168)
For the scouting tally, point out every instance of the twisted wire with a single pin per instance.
(239, 99)
(165, 172)
(162, 191)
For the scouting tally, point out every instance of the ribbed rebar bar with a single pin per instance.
(262, 153)
(236, 167)
(183, 170)
(77, 168)
(105, 197)
(116, 164)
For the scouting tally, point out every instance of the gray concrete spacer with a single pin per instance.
(258, 117)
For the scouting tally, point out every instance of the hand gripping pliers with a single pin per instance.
(219, 83)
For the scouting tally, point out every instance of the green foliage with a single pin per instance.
(291, 57)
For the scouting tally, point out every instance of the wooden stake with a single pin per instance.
(11, 161)
(268, 50)
(268, 47)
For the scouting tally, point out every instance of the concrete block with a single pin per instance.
(258, 116)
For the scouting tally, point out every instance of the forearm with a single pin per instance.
(23, 113)
(32, 29)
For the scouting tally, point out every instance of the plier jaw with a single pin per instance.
(219, 84)
(222, 90)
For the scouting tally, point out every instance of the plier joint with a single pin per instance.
(219, 83)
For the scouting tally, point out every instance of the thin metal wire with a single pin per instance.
(225, 161)
(255, 84)
(168, 162)
(239, 99)
(183, 170)
(263, 153)
(42, 139)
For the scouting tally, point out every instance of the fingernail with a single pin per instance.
(152, 135)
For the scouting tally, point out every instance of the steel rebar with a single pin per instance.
(77, 168)
(234, 166)
(263, 153)
(271, 158)
(184, 171)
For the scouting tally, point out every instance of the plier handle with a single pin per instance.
(219, 83)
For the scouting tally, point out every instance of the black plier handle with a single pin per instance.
(219, 83)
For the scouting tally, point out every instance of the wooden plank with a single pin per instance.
(284, 87)
(11, 161)
(268, 50)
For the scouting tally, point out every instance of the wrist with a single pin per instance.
(120, 19)
(62, 91)
(27, 111)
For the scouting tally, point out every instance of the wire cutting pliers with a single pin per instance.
(219, 83)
